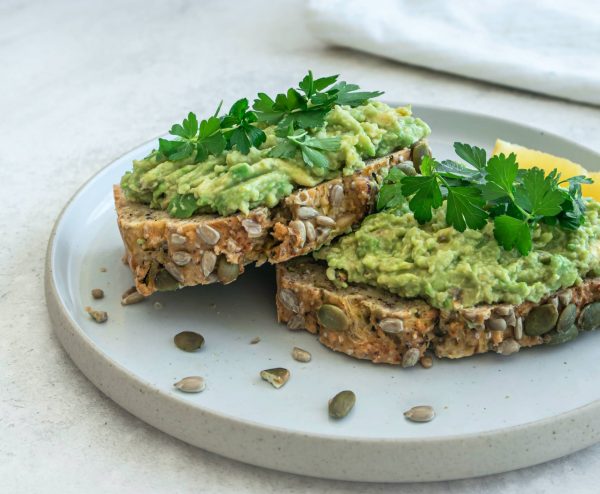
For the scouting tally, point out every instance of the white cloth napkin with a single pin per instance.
(547, 46)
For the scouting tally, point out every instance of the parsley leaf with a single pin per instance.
(538, 194)
(465, 208)
(427, 196)
(471, 154)
(390, 193)
(513, 233)
(310, 147)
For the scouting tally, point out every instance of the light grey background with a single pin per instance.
(80, 84)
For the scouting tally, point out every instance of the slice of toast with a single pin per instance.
(369, 323)
(167, 253)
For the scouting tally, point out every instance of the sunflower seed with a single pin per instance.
(311, 234)
(336, 195)
(255, 340)
(332, 317)
(174, 271)
(410, 357)
(132, 296)
(97, 315)
(518, 332)
(209, 260)
(391, 325)
(301, 355)
(97, 293)
(188, 341)
(253, 228)
(323, 220)
(496, 324)
(177, 239)
(322, 234)
(341, 404)
(421, 413)
(181, 258)
(191, 384)
(511, 319)
(296, 322)
(289, 300)
(508, 347)
(277, 377)
(299, 230)
(208, 234)
(306, 212)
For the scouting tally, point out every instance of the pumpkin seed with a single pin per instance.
(209, 261)
(407, 167)
(181, 258)
(391, 325)
(540, 320)
(508, 347)
(419, 151)
(410, 357)
(311, 233)
(132, 296)
(191, 384)
(336, 195)
(332, 317)
(518, 332)
(567, 318)
(97, 293)
(341, 404)
(299, 230)
(553, 301)
(227, 271)
(208, 234)
(289, 300)
(97, 315)
(188, 341)
(564, 336)
(255, 340)
(277, 377)
(165, 282)
(590, 317)
(421, 413)
(326, 221)
(296, 322)
(301, 355)
(565, 297)
(496, 324)
(177, 239)
(253, 229)
(306, 213)
(426, 362)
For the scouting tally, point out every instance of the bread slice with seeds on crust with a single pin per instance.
(373, 324)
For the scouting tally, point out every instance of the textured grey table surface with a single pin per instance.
(80, 84)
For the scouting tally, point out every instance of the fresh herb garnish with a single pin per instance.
(311, 148)
(516, 200)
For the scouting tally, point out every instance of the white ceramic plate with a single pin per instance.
(494, 413)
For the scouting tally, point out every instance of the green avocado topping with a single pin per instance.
(250, 158)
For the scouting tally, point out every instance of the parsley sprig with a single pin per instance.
(311, 148)
(495, 189)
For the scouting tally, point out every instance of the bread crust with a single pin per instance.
(303, 288)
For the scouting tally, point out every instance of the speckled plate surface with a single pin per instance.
(494, 413)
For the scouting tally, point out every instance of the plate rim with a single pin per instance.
(63, 320)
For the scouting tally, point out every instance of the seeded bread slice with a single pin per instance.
(373, 324)
(166, 253)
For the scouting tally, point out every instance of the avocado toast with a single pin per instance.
(269, 183)
(436, 269)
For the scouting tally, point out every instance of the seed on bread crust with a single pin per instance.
(508, 347)
(311, 233)
(253, 229)
(208, 234)
(177, 239)
(296, 322)
(306, 212)
(323, 220)
(332, 317)
(181, 258)
(209, 261)
(391, 325)
(298, 228)
(336, 195)
(411, 357)
(289, 300)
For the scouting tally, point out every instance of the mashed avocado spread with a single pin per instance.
(232, 181)
(451, 269)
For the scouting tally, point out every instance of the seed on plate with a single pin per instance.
(227, 271)
(132, 296)
(323, 220)
(97, 315)
(188, 341)
(564, 336)
(508, 347)
(97, 293)
(277, 377)
(181, 258)
(332, 317)
(341, 404)
(421, 413)
(496, 324)
(391, 325)
(426, 362)
(209, 261)
(255, 340)
(410, 357)
(306, 212)
(208, 234)
(253, 228)
(590, 317)
(191, 384)
(103, 270)
(336, 195)
(301, 355)
(540, 320)
(289, 299)
(311, 233)
(567, 318)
